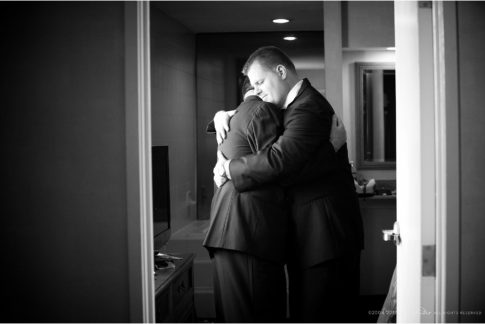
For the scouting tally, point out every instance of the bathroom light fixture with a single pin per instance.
(281, 21)
(390, 48)
(289, 38)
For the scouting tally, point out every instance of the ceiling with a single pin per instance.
(244, 16)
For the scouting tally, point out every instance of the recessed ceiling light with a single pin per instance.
(281, 21)
(289, 38)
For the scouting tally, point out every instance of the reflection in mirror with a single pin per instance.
(376, 115)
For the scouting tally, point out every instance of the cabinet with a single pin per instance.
(378, 259)
(174, 292)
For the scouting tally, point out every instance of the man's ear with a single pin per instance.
(281, 71)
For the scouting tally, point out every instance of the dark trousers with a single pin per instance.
(326, 292)
(247, 288)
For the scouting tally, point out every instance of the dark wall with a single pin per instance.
(471, 51)
(63, 129)
(174, 109)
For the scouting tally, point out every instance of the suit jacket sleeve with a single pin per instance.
(319, 165)
(265, 127)
(211, 128)
(306, 135)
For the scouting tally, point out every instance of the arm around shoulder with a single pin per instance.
(306, 129)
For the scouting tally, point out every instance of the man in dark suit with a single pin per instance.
(326, 233)
(248, 231)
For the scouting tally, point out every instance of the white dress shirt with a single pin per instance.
(292, 94)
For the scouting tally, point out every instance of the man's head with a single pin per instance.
(246, 88)
(272, 74)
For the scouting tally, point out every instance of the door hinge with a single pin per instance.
(425, 4)
(429, 261)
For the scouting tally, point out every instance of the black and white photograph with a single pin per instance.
(243, 161)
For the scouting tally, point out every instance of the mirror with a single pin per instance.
(375, 115)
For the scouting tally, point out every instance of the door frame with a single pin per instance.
(428, 183)
(436, 187)
(415, 161)
(138, 162)
(448, 162)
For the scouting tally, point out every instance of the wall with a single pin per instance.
(367, 30)
(210, 98)
(349, 57)
(312, 68)
(367, 24)
(174, 110)
(63, 225)
(470, 28)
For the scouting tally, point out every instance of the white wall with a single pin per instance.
(174, 110)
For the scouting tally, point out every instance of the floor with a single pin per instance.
(368, 311)
(189, 239)
(370, 306)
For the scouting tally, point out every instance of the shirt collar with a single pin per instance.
(292, 94)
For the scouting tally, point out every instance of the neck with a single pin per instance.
(292, 79)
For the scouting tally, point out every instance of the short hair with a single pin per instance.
(244, 85)
(270, 57)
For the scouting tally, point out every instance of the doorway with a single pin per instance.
(214, 102)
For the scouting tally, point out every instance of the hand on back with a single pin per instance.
(338, 134)
(221, 124)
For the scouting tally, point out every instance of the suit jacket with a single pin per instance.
(325, 220)
(254, 222)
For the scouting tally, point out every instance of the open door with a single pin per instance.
(416, 162)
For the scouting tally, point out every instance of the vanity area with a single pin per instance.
(373, 110)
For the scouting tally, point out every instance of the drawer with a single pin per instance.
(188, 316)
(162, 306)
(181, 286)
(185, 307)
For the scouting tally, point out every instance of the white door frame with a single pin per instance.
(415, 161)
(427, 161)
(138, 162)
(448, 177)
